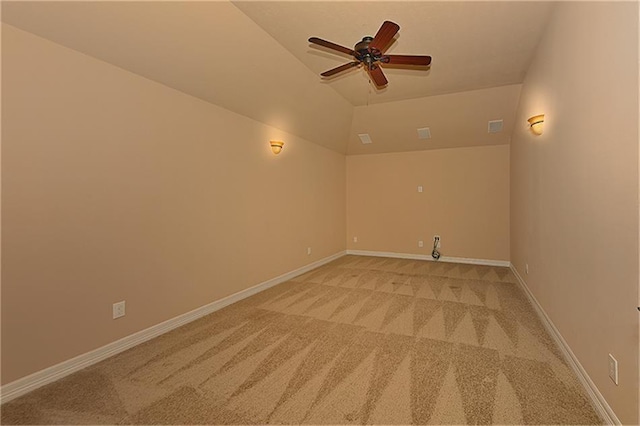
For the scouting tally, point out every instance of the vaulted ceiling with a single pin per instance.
(254, 58)
(474, 44)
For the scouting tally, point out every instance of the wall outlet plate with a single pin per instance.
(613, 369)
(420, 243)
(118, 309)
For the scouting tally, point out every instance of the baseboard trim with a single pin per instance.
(597, 400)
(48, 375)
(412, 256)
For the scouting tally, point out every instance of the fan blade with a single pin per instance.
(407, 60)
(330, 45)
(378, 76)
(384, 36)
(341, 68)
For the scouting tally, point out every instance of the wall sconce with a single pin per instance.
(276, 146)
(535, 123)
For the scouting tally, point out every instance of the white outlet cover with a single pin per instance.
(613, 369)
(308, 250)
(420, 243)
(118, 309)
(355, 239)
(420, 188)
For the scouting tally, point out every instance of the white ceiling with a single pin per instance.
(455, 120)
(474, 44)
(254, 58)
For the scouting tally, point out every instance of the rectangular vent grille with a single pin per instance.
(495, 126)
(424, 133)
(365, 138)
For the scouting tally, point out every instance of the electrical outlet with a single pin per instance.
(526, 268)
(420, 243)
(308, 250)
(355, 239)
(420, 188)
(439, 243)
(118, 310)
(613, 369)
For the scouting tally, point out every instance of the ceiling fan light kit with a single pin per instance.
(370, 53)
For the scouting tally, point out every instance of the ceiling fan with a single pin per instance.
(370, 52)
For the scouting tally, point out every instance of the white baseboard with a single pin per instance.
(470, 261)
(599, 403)
(40, 378)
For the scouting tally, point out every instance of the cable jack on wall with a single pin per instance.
(436, 243)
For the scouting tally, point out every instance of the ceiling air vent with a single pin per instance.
(365, 138)
(495, 126)
(424, 133)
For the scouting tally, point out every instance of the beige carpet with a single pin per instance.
(360, 340)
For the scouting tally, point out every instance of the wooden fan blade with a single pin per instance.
(330, 45)
(384, 36)
(339, 69)
(407, 60)
(378, 76)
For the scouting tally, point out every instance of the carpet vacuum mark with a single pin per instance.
(361, 340)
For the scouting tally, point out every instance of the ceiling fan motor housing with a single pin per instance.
(365, 54)
(363, 46)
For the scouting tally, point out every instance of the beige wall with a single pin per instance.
(574, 190)
(208, 49)
(119, 188)
(465, 201)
